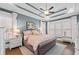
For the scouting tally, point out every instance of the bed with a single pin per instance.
(39, 44)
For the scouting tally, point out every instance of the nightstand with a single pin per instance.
(15, 42)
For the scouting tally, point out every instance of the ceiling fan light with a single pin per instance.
(46, 12)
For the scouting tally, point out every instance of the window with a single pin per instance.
(51, 28)
(61, 27)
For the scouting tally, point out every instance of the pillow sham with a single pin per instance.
(25, 37)
(35, 32)
(27, 33)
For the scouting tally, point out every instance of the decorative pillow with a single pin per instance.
(25, 37)
(35, 32)
(26, 33)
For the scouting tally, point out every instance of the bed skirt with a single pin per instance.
(43, 47)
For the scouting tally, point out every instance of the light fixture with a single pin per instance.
(46, 12)
(16, 30)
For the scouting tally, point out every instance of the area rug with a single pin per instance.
(56, 50)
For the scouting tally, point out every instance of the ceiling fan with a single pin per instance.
(47, 11)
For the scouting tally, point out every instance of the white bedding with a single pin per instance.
(35, 40)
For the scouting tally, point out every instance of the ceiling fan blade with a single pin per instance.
(51, 12)
(42, 9)
(40, 13)
(51, 8)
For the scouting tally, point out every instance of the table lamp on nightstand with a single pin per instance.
(16, 32)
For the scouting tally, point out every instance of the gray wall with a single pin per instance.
(21, 21)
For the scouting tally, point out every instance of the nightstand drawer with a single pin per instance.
(12, 45)
(15, 40)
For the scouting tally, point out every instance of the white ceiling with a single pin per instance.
(57, 6)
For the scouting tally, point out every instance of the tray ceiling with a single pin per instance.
(33, 9)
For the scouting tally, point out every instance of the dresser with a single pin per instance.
(14, 42)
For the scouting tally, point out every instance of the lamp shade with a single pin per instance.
(16, 30)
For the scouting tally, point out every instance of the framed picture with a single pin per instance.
(30, 25)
